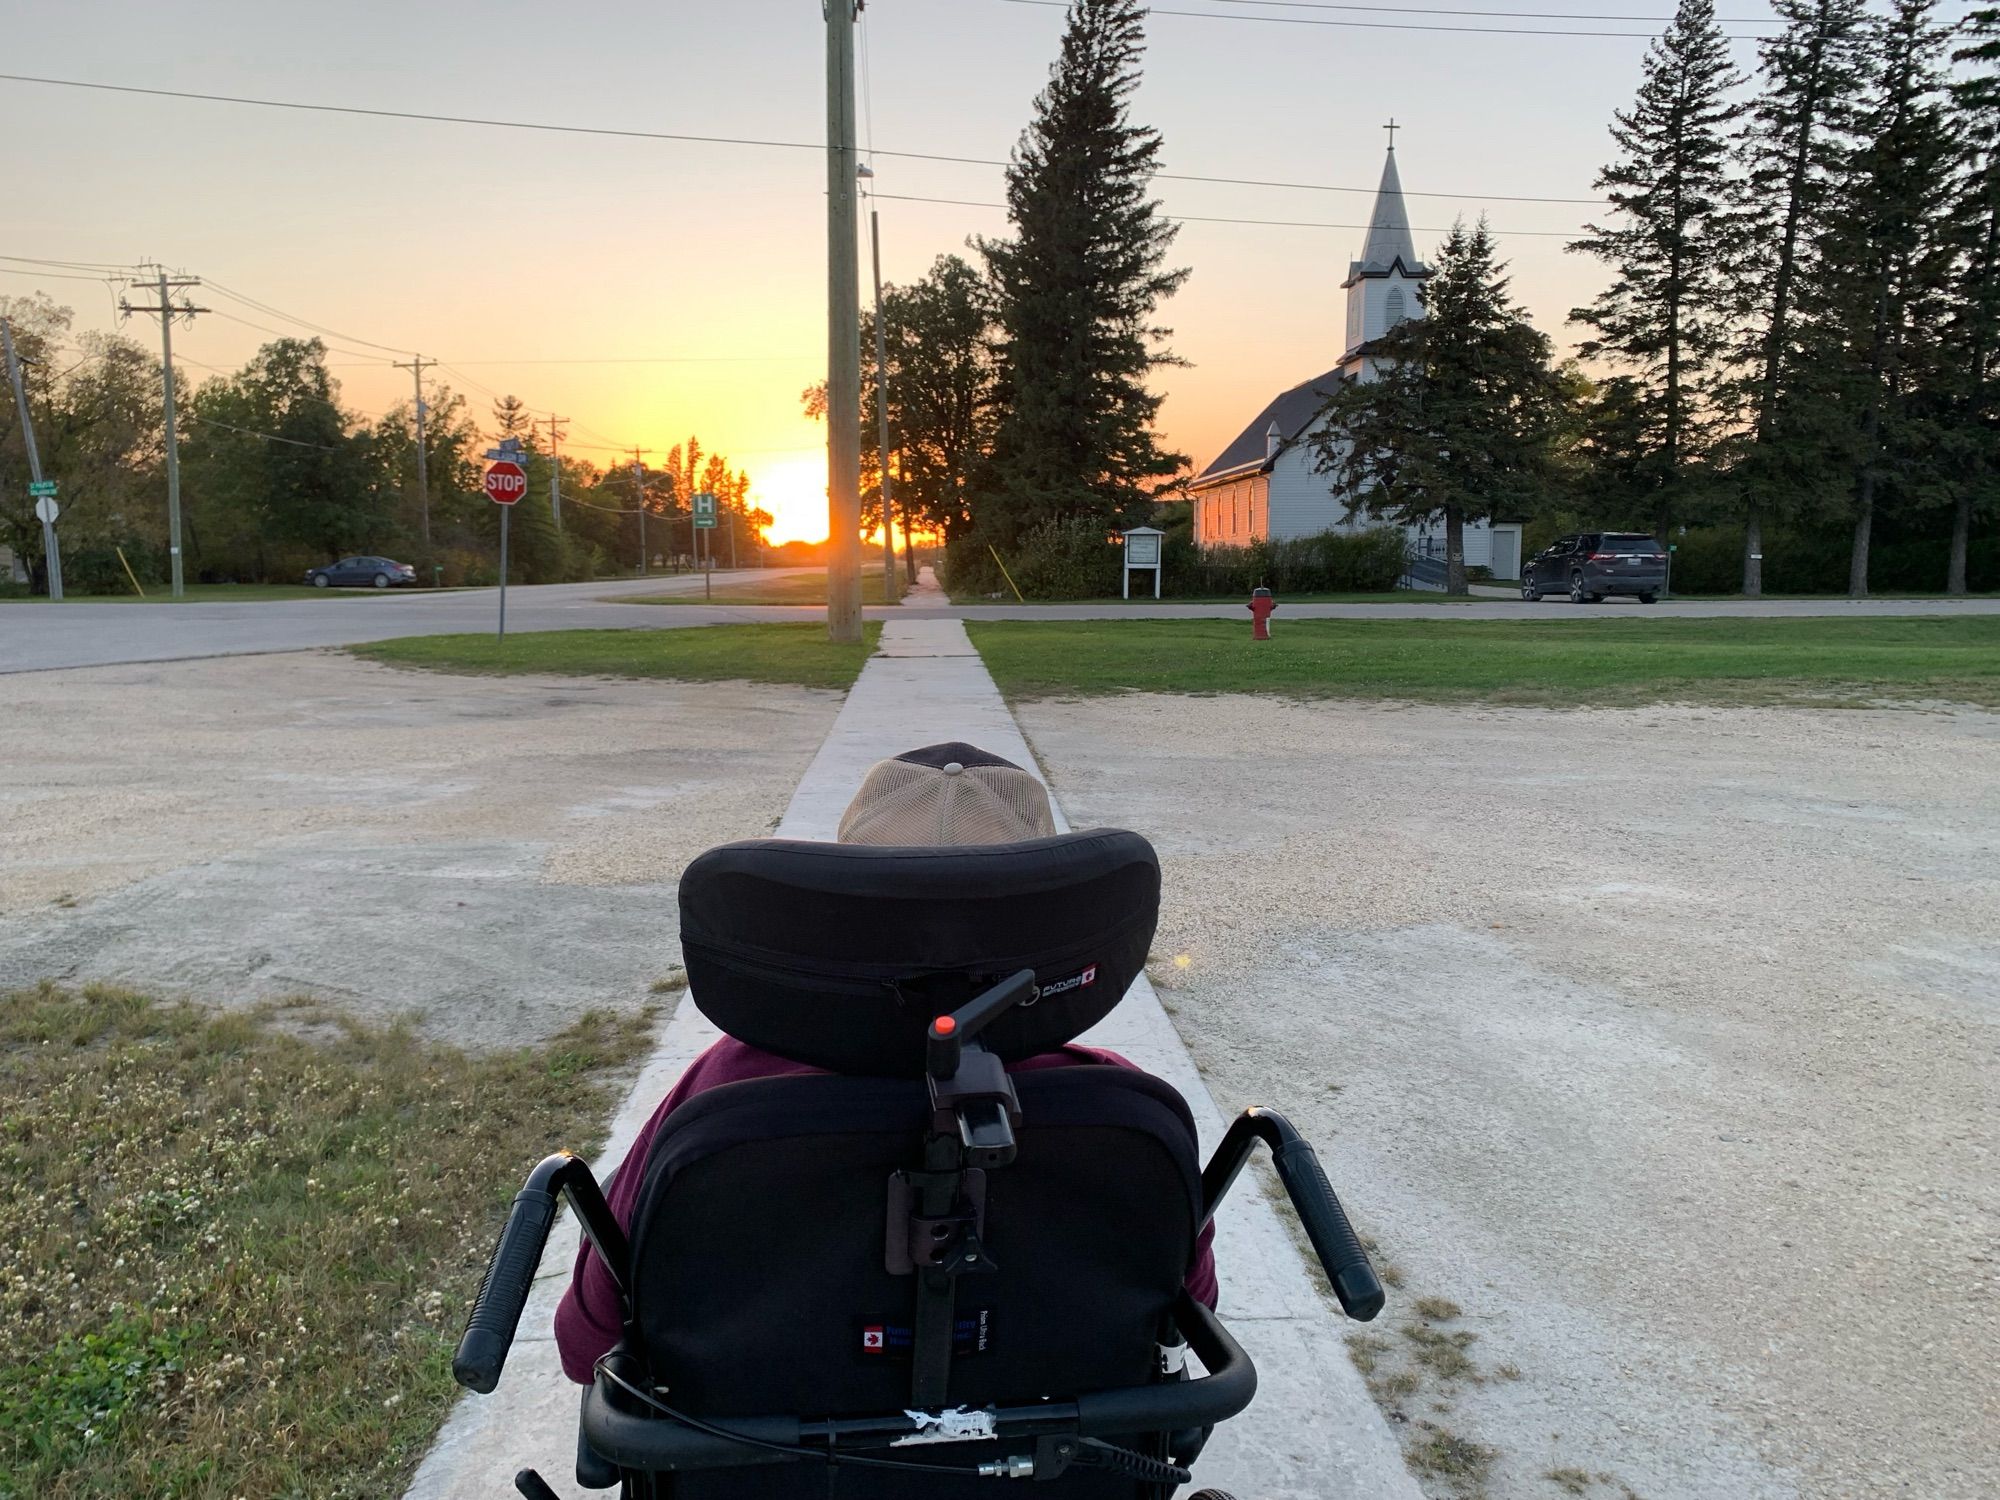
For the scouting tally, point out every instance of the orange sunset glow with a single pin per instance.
(649, 289)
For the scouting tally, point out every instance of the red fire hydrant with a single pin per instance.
(1260, 606)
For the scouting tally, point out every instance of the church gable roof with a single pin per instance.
(1290, 411)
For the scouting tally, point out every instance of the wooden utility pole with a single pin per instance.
(882, 416)
(555, 468)
(167, 311)
(416, 369)
(843, 315)
(639, 490)
(45, 505)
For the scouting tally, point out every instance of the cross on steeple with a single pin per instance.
(1392, 127)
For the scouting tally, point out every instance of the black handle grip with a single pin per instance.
(503, 1293)
(1333, 1238)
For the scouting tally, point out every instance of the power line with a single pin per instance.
(53, 275)
(280, 333)
(1560, 234)
(278, 312)
(1209, 15)
(72, 265)
(269, 437)
(816, 146)
(476, 385)
(1519, 15)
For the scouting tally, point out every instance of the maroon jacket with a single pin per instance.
(587, 1320)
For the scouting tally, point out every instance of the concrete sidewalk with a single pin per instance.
(1314, 1432)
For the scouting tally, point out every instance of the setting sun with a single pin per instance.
(793, 490)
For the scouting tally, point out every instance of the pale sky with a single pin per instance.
(506, 253)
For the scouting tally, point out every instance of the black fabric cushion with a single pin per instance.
(758, 1253)
(839, 955)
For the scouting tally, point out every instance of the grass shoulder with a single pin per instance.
(240, 1244)
(1822, 662)
(779, 653)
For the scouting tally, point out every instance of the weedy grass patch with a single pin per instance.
(237, 1246)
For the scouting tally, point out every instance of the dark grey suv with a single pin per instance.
(1592, 564)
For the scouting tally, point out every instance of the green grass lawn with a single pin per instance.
(788, 588)
(1394, 596)
(702, 653)
(1552, 662)
(234, 1262)
(207, 593)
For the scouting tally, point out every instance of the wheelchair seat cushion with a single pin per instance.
(839, 955)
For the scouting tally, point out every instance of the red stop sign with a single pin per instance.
(506, 482)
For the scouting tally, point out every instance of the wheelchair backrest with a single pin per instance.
(763, 1237)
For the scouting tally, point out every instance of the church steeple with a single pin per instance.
(1389, 226)
(1382, 285)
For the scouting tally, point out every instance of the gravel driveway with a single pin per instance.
(1658, 1044)
(490, 853)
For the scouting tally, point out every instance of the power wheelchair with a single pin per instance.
(916, 1273)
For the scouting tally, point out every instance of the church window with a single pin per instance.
(1394, 309)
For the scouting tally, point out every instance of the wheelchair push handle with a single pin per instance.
(510, 1275)
(1333, 1238)
(503, 1291)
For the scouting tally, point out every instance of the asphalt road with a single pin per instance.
(41, 637)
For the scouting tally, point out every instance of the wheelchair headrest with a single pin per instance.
(839, 955)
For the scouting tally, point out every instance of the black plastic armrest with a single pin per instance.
(510, 1274)
(1227, 1389)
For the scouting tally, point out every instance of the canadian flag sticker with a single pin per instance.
(872, 1338)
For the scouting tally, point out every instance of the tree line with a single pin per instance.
(278, 474)
(1798, 339)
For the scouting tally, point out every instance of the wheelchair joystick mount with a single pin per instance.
(937, 1215)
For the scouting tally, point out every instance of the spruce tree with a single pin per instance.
(1887, 255)
(511, 417)
(1664, 316)
(1973, 338)
(1456, 415)
(1077, 288)
(1790, 154)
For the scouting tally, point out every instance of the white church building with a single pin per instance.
(1263, 485)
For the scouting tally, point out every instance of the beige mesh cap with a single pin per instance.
(947, 794)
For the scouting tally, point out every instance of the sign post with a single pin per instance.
(704, 520)
(506, 482)
(1142, 550)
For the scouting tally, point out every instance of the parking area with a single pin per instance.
(1655, 1046)
(493, 854)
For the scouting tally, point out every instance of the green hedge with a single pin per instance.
(1709, 560)
(1333, 562)
(1075, 559)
